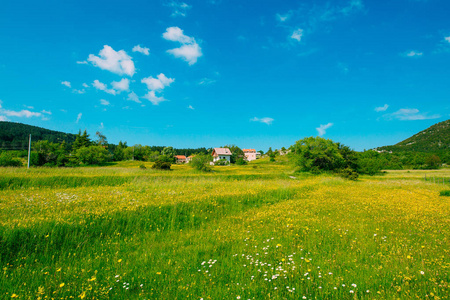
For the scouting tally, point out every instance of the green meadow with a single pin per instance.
(258, 231)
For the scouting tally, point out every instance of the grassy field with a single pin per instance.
(243, 232)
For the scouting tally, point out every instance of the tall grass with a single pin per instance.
(238, 233)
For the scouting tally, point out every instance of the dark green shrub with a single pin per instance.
(240, 161)
(142, 167)
(161, 165)
(445, 193)
(201, 162)
(349, 174)
(7, 160)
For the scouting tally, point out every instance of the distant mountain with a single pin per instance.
(433, 139)
(14, 136)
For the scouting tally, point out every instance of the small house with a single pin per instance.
(181, 159)
(221, 153)
(250, 154)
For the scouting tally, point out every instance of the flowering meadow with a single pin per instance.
(258, 231)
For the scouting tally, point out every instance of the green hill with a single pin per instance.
(14, 136)
(434, 139)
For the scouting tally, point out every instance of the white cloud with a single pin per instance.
(206, 81)
(191, 107)
(159, 83)
(85, 85)
(175, 34)
(381, 108)
(118, 62)
(322, 129)
(79, 117)
(265, 120)
(179, 8)
(104, 102)
(447, 39)
(410, 114)
(66, 83)
(3, 118)
(413, 54)
(190, 51)
(122, 85)
(150, 96)
(46, 112)
(82, 62)
(102, 87)
(283, 18)
(24, 113)
(297, 34)
(133, 97)
(143, 50)
(101, 125)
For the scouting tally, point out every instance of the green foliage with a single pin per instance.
(221, 162)
(433, 162)
(316, 154)
(348, 173)
(445, 193)
(435, 139)
(93, 155)
(82, 140)
(7, 160)
(201, 162)
(142, 167)
(16, 135)
(119, 151)
(241, 161)
(162, 163)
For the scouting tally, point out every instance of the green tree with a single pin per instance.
(316, 154)
(101, 139)
(93, 155)
(201, 162)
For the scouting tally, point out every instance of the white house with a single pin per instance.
(250, 154)
(221, 153)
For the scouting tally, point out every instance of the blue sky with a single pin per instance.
(257, 74)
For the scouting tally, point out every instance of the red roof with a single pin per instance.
(249, 150)
(180, 157)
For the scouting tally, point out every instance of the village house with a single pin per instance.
(181, 159)
(250, 154)
(221, 153)
(189, 158)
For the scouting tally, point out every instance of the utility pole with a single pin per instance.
(29, 150)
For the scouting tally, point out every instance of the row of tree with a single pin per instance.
(312, 154)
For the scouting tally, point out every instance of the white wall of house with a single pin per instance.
(219, 157)
(250, 156)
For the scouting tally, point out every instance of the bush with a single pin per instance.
(221, 162)
(93, 155)
(7, 160)
(161, 164)
(240, 161)
(201, 162)
(142, 167)
(349, 174)
(445, 193)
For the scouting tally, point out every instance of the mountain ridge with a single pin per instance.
(435, 138)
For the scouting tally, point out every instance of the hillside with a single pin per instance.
(15, 135)
(435, 138)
